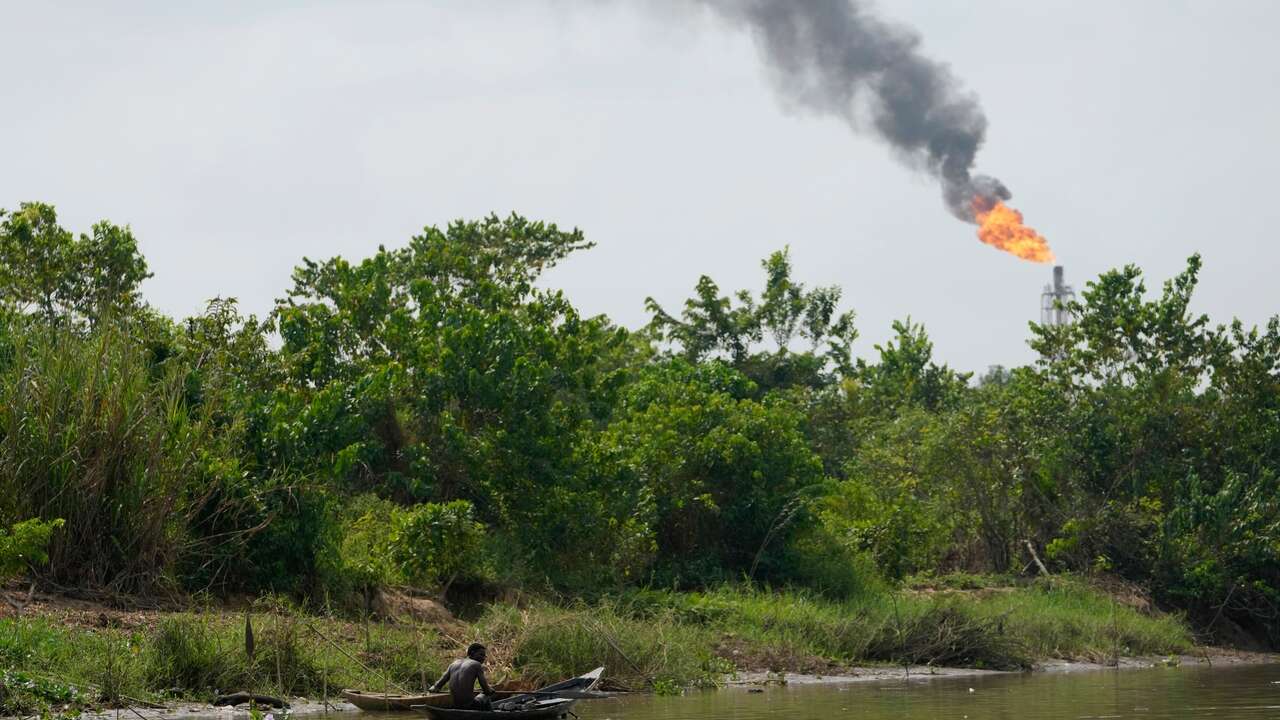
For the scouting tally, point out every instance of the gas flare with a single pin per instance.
(1001, 226)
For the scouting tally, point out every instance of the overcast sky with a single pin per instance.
(236, 138)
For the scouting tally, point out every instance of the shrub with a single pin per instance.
(823, 561)
(364, 557)
(437, 543)
(429, 545)
(25, 544)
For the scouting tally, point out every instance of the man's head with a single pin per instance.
(476, 652)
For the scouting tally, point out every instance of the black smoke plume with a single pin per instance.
(836, 57)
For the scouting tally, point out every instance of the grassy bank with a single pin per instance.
(652, 639)
(155, 657)
(1008, 628)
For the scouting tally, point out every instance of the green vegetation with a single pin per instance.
(24, 545)
(434, 416)
(426, 545)
(647, 638)
(197, 656)
(1005, 630)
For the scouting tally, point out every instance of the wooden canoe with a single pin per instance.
(573, 688)
(391, 702)
(579, 687)
(377, 701)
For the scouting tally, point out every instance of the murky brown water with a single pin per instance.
(1233, 693)
(1227, 693)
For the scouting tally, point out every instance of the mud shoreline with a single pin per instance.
(1210, 658)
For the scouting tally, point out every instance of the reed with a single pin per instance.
(91, 432)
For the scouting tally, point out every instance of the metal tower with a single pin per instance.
(1053, 297)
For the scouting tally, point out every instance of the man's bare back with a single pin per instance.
(462, 676)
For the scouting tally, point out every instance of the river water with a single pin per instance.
(1239, 692)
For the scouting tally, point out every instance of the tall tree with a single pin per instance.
(440, 371)
(46, 270)
(712, 326)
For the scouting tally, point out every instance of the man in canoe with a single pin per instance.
(462, 676)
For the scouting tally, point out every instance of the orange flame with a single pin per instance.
(1001, 226)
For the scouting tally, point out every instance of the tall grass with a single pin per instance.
(800, 628)
(91, 431)
(544, 642)
(185, 652)
(196, 656)
(1007, 630)
(1065, 618)
(650, 636)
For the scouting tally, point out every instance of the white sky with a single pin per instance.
(236, 138)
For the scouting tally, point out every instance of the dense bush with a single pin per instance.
(512, 439)
(429, 545)
(718, 470)
(437, 543)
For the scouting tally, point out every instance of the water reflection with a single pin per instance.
(1238, 692)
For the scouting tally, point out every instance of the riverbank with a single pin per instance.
(1206, 657)
(63, 653)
